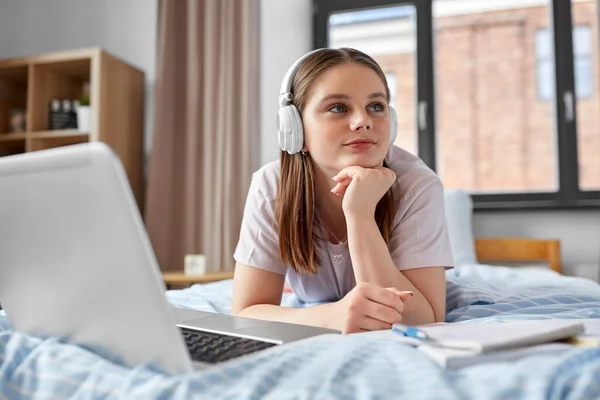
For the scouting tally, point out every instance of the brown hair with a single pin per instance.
(295, 208)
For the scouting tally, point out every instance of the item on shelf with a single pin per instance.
(84, 113)
(62, 114)
(18, 120)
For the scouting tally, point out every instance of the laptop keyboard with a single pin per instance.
(212, 347)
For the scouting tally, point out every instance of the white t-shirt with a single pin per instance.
(419, 237)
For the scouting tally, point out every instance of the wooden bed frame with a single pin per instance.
(519, 250)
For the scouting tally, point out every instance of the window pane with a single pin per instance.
(582, 41)
(583, 77)
(543, 44)
(493, 132)
(389, 36)
(545, 79)
(545, 64)
(393, 85)
(585, 45)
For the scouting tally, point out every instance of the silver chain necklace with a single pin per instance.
(337, 258)
(329, 231)
(335, 237)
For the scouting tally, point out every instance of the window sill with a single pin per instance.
(534, 204)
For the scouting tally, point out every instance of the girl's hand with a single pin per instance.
(369, 307)
(362, 188)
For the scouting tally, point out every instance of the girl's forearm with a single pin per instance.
(370, 255)
(372, 263)
(315, 316)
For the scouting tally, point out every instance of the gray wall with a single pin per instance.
(124, 28)
(579, 231)
(285, 35)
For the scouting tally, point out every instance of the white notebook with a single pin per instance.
(454, 345)
(483, 338)
(453, 359)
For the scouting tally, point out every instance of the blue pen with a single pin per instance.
(409, 331)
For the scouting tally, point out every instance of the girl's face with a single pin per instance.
(346, 119)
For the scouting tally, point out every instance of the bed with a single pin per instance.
(348, 366)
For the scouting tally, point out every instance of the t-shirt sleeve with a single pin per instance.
(258, 244)
(420, 238)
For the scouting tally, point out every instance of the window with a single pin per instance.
(493, 136)
(588, 104)
(504, 105)
(582, 49)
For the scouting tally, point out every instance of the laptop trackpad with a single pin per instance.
(223, 322)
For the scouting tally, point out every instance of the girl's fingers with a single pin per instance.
(341, 187)
(343, 183)
(403, 294)
(347, 173)
(371, 324)
(340, 191)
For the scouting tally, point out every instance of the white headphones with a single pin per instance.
(290, 133)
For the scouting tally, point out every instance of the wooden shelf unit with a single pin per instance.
(116, 98)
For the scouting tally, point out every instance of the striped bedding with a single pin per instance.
(339, 367)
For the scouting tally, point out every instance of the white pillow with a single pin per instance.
(459, 212)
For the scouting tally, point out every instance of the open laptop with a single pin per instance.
(76, 263)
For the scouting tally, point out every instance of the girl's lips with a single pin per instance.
(361, 140)
(361, 145)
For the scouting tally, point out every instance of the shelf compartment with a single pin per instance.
(64, 80)
(13, 94)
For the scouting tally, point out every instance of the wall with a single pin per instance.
(579, 231)
(125, 28)
(285, 35)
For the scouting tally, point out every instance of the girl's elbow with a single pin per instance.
(238, 308)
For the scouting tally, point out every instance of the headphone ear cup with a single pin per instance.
(393, 125)
(289, 131)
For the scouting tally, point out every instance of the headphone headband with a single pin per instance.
(285, 93)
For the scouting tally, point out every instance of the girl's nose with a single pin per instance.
(361, 121)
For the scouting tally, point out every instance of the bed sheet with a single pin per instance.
(335, 367)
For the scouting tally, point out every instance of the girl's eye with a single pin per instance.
(337, 108)
(378, 107)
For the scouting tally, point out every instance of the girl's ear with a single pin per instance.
(304, 150)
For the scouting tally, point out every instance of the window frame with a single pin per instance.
(569, 195)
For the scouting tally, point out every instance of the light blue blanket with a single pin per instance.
(338, 367)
